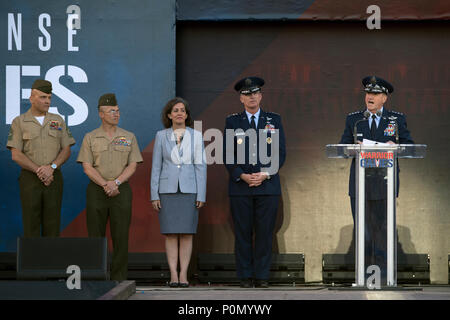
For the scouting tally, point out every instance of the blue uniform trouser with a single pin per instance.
(254, 219)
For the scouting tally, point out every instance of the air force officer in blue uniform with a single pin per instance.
(253, 158)
(378, 124)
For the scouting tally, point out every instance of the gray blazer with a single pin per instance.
(185, 166)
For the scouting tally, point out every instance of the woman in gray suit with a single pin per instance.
(178, 185)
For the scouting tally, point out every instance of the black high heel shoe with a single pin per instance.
(174, 284)
(184, 284)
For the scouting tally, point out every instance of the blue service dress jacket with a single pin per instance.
(259, 154)
(184, 167)
(385, 132)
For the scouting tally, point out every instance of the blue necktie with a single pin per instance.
(373, 127)
(253, 123)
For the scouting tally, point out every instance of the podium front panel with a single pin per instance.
(375, 217)
(374, 207)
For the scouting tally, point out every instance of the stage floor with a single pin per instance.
(224, 292)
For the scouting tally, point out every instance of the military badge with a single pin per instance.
(239, 141)
(54, 125)
(269, 127)
(390, 130)
(121, 141)
(269, 140)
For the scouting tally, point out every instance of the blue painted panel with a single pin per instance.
(123, 47)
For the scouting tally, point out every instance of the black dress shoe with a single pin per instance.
(261, 283)
(246, 283)
(174, 284)
(184, 284)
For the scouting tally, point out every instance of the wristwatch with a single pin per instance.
(54, 166)
(117, 181)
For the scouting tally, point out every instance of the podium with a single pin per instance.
(376, 173)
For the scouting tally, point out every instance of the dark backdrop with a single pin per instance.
(313, 73)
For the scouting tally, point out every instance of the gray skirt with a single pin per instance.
(178, 213)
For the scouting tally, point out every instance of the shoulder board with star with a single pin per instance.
(355, 112)
(396, 112)
(233, 115)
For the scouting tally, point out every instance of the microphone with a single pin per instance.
(366, 115)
